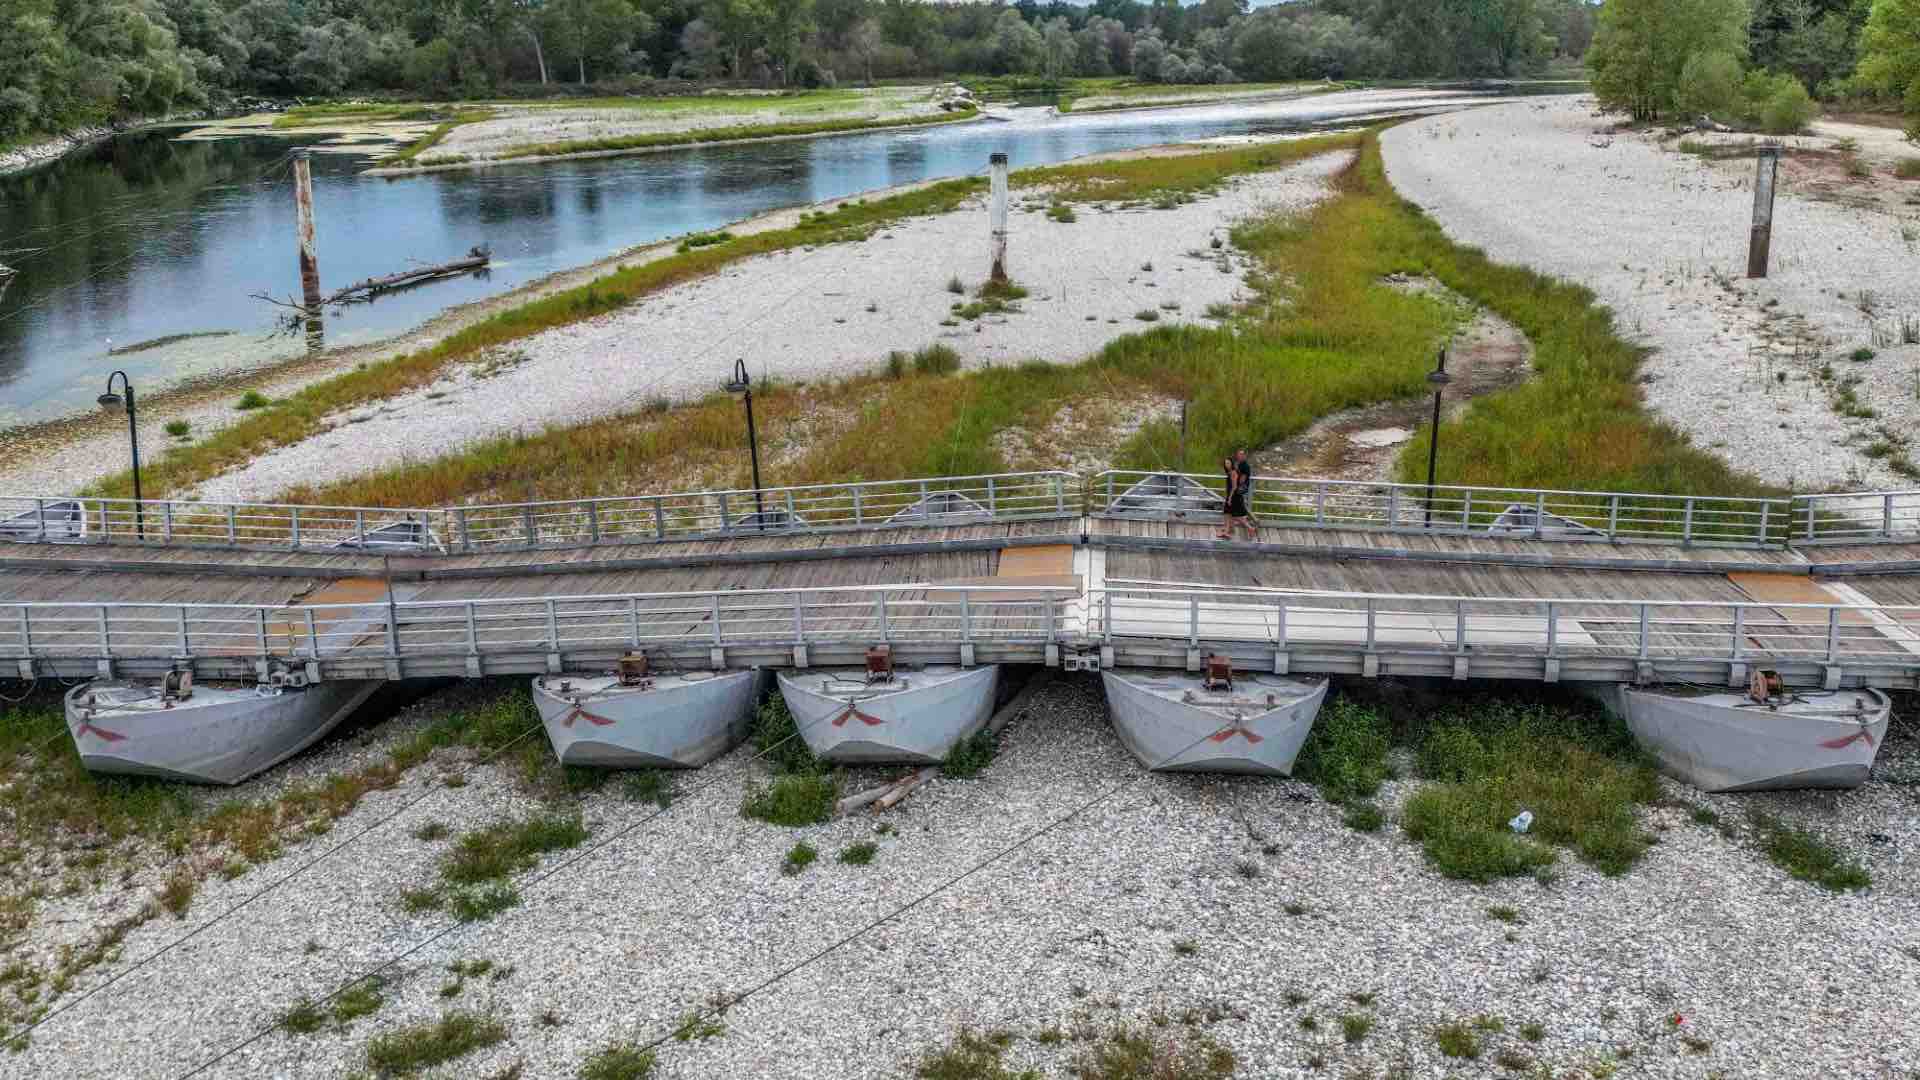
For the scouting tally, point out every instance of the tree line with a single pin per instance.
(67, 63)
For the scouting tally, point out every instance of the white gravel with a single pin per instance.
(820, 313)
(1077, 929)
(1661, 237)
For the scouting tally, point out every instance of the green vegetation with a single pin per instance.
(1907, 168)
(1345, 755)
(1576, 769)
(622, 1061)
(971, 1056)
(700, 240)
(1137, 1054)
(475, 874)
(1457, 1040)
(251, 400)
(799, 857)
(1806, 856)
(408, 1050)
(648, 785)
(1355, 1026)
(179, 429)
(363, 998)
(802, 791)
(1890, 56)
(971, 756)
(859, 853)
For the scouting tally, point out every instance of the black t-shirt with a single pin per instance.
(1245, 469)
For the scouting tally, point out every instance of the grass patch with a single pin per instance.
(177, 894)
(1355, 1026)
(971, 755)
(1126, 1053)
(479, 902)
(1907, 168)
(1345, 755)
(859, 853)
(1457, 1040)
(410, 1049)
(970, 1056)
(793, 800)
(777, 740)
(700, 240)
(1805, 856)
(936, 360)
(1503, 913)
(622, 1061)
(251, 400)
(1364, 817)
(648, 785)
(179, 429)
(799, 857)
(501, 851)
(1062, 213)
(1574, 767)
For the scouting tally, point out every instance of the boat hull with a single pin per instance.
(676, 725)
(1711, 743)
(917, 725)
(216, 742)
(1170, 736)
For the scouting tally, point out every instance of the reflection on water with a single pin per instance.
(143, 237)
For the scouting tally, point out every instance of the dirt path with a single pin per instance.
(1487, 353)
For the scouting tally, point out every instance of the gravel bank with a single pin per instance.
(821, 313)
(1750, 369)
(1773, 978)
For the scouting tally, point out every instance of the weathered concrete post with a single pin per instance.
(303, 211)
(1763, 186)
(998, 188)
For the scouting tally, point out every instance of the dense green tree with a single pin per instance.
(1890, 55)
(1642, 47)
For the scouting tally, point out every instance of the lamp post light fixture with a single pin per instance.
(1439, 378)
(112, 404)
(742, 384)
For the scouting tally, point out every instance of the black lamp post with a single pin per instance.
(741, 384)
(113, 405)
(1439, 378)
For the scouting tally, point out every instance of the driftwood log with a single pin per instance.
(477, 259)
(889, 795)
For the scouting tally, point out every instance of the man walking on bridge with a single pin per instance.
(1239, 492)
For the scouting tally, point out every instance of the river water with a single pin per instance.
(148, 237)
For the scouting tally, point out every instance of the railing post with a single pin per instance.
(1686, 526)
(1810, 516)
(313, 637)
(799, 617)
(166, 521)
(1739, 622)
(1553, 628)
(1059, 496)
(726, 520)
(1280, 624)
(553, 628)
(460, 524)
(1886, 515)
(294, 529)
(719, 636)
(966, 616)
(633, 621)
(1393, 507)
(393, 628)
(1833, 635)
(233, 524)
(1053, 628)
(180, 620)
(26, 630)
(1319, 504)
(473, 631)
(40, 516)
(857, 499)
(527, 526)
(1613, 517)
(659, 518)
(1106, 615)
(1466, 511)
(993, 503)
(1766, 525)
(1643, 632)
(593, 521)
(1460, 626)
(1539, 514)
(880, 613)
(106, 638)
(1109, 502)
(793, 515)
(360, 526)
(1371, 616)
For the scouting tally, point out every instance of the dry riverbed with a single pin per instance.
(1236, 908)
(1810, 377)
(828, 312)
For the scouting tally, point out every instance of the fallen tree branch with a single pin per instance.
(361, 291)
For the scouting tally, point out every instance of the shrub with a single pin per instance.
(179, 429)
(1807, 857)
(1907, 168)
(776, 738)
(252, 399)
(618, 1062)
(1778, 104)
(936, 360)
(1709, 86)
(799, 858)
(411, 1049)
(859, 853)
(971, 756)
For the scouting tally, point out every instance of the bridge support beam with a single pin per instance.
(1832, 677)
(474, 668)
(800, 656)
(105, 669)
(1737, 675)
(1282, 661)
(1552, 670)
(1459, 669)
(1193, 659)
(1106, 658)
(966, 654)
(26, 669)
(1370, 665)
(1642, 672)
(313, 672)
(1053, 655)
(717, 656)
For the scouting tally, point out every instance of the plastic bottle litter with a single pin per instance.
(1522, 822)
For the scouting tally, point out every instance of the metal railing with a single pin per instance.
(1637, 630)
(561, 523)
(1511, 513)
(403, 629)
(1862, 517)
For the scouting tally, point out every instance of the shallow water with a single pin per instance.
(147, 237)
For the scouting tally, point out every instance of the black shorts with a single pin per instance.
(1237, 505)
